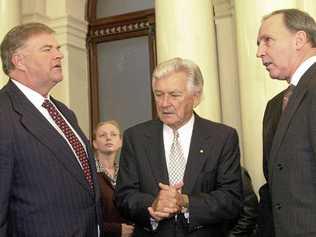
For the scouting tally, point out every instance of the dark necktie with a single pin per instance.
(287, 95)
(72, 139)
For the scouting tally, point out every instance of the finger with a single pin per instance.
(178, 186)
(158, 216)
(164, 186)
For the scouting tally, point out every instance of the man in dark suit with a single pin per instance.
(287, 48)
(47, 171)
(180, 175)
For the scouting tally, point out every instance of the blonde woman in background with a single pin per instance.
(107, 141)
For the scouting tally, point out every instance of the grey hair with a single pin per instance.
(193, 72)
(296, 20)
(16, 38)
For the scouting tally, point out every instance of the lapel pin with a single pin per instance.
(201, 151)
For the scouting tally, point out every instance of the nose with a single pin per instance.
(260, 50)
(59, 54)
(165, 101)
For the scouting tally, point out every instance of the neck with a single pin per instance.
(106, 160)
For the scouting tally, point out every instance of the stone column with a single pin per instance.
(185, 28)
(308, 6)
(10, 16)
(228, 66)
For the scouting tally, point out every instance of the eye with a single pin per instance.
(158, 94)
(175, 95)
(46, 49)
(267, 40)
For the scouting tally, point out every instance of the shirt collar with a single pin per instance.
(302, 69)
(36, 98)
(184, 129)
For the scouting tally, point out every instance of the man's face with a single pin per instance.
(277, 48)
(174, 102)
(42, 61)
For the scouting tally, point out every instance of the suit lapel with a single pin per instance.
(40, 128)
(156, 153)
(90, 156)
(197, 155)
(270, 123)
(286, 117)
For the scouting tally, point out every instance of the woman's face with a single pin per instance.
(108, 139)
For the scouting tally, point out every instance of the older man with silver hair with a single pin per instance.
(179, 175)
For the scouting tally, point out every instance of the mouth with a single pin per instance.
(57, 66)
(167, 113)
(267, 64)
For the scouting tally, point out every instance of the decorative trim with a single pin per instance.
(124, 28)
(120, 26)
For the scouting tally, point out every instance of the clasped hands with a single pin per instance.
(168, 202)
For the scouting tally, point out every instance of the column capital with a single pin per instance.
(70, 31)
(223, 8)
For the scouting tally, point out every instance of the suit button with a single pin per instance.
(280, 166)
(278, 206)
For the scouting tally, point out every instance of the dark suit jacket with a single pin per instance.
(245, 224)
(212, 178)
(271, 119)
(292, 163)
(43, 191)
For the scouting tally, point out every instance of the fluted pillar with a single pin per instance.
(185, 29)
(10, 16)
(228, 66)
(256, 87)
(307, 6)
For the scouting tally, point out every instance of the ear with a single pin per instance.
(300, 39)
(18, 61)
(95, 145)
(120, 142)
(196, 99)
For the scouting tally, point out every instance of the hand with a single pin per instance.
(127, 230)
(167, 203)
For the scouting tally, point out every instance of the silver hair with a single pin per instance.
(193, 72)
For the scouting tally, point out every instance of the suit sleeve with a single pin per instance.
(246, 222)
(129, 198)
(6, 171)
(224, 201)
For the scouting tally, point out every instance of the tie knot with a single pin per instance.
(175, 134)
(289, 91)
(46, 104)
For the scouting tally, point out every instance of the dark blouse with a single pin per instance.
(111, 218)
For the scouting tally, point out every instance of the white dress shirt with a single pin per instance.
(302, 69)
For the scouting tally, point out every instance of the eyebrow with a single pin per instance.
(49, 46)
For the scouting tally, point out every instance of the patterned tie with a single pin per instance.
(176, 161)
(287, 95)
(72, 139)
